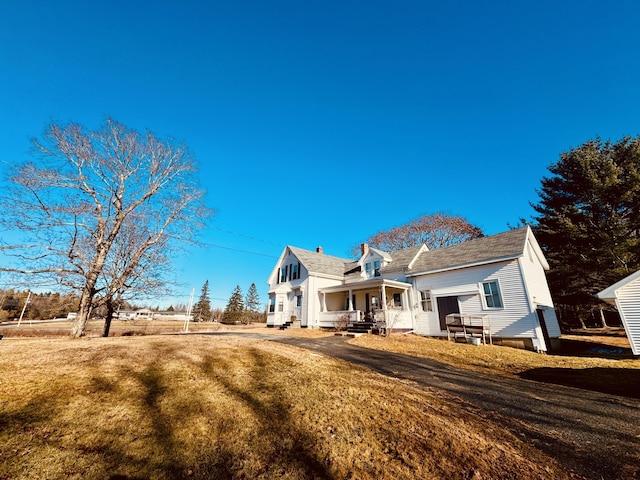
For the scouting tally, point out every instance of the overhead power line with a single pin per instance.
(239, 250)
(248, 236)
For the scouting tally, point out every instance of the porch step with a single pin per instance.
(361, 327)
(291, 324)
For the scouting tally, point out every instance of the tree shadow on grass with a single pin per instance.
(614, 381)
(278, 447)
(291, 451)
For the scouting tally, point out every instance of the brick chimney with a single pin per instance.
(364, 248)
(319, 249)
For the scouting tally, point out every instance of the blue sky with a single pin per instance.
(321, 123)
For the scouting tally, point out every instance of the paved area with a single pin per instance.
(594, 434)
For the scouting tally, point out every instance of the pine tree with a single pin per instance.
(252, 300)
(235, 308)
(588, 221)
(252, 303)
(202, 308)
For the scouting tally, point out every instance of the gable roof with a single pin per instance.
(502, 246)
(401, 259)
(321, 263)
(609, 293)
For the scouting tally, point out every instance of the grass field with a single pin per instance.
(140, 405)
(226, 407)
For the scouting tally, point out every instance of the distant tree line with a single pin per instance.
(42, 306)
(240, 309)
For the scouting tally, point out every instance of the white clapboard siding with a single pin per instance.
(515, 319)
(628, 303)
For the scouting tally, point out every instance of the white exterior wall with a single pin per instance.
(628, 304)
(285, 293)
(538, 289)
(516, 318)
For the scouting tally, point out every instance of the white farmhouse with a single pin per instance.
(499, 279)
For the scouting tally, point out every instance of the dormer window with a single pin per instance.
(283, 274)
(376, 268)
(372, 269)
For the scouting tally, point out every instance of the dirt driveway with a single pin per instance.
(594, 434)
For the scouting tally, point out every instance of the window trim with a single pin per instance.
(272, 303)
(498, 293)
(426, 298)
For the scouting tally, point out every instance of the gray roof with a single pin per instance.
(501, 246)
(321, 263)
(505, 245)
(401, 259)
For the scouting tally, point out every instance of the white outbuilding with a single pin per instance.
(625, 295)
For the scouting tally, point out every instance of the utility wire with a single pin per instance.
(239, 250)
(247, 236)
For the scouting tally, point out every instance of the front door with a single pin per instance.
(446, 305)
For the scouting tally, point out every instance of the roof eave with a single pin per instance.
(465, 265)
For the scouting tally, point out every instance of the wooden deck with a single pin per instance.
(470, 326)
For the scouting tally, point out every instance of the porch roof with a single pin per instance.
(365, 285)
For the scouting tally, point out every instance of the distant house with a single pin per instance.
(625, 295)
(499, 278)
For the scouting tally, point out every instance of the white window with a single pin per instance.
(367, 269)
(272, 303)
(425, 299)
(491, 293)
(281, 306)
(376, 268)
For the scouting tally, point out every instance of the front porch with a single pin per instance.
(381, 303)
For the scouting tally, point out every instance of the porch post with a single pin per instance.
(350, 300)
(384, 297)
(324, 302)
(405, 299)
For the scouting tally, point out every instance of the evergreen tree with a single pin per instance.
(235, 308)
(252, 299)
(202, 308)
(588, 221)
(252, 303)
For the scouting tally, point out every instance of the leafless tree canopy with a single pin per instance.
(100, 210)
(435, 231)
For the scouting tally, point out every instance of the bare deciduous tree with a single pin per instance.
(435, 231)
(99, 208)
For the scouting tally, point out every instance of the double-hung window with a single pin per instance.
(491, 293)
(367, 269)
(272, 303)
(425, 299)
(376, 268)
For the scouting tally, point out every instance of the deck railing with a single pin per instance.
(470, 325)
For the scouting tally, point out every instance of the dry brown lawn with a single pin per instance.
(227, 407)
